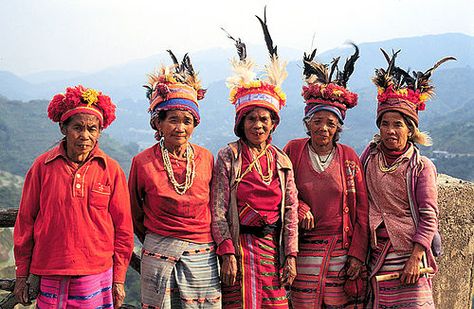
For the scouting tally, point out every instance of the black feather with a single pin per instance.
(241, 48)
(149, 91)
(334, 63)
(306, 60)
(437, 64)
(318, 69)
(266, 34)
(175, 60)
(349, 66)
(188, 67)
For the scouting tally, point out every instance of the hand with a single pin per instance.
(21, 291)
(411, 271)
(118, 294)
(354, 269)
(229, 269)
(307, 222)
(289, 271)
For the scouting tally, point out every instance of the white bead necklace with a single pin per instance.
(190, 169)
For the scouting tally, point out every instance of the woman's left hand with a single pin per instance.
(411, 271)
(118, 293)
(355, 267)
(289, 271)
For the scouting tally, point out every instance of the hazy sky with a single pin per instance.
(88, 35)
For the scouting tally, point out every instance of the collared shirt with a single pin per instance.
(74, 220)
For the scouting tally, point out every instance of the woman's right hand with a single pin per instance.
(21, 291)
(229, 269)
(307, 223)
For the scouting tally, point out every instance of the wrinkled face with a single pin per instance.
(258, 125)
(322, 127)
(394, 131)
(176, 128)
(81, 132)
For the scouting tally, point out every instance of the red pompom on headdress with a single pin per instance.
(322, 89)
(79, 99)
(399, 91)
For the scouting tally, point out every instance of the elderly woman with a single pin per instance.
(74, 227)
(170, 194)
(333, 210)
(401, 185)
(254, 199)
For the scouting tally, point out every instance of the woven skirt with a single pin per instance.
(320, 279)
(179, 274)
(65, 292)
(257, 284)
(392, 294)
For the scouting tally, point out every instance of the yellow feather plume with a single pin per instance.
(276, 71)
(243, 72)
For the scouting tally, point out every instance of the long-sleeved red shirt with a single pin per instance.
(74, 221)
(159, 209)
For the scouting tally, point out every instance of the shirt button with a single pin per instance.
(78, 186)
(346, 209)
(78, 175)
(346, 245)
(346, 229)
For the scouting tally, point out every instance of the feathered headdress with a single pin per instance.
(175, 87)
(246, 89)
(79, 99)
(324, 92)
(400, 91)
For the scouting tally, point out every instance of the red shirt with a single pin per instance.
(322, 192)
(266, 199)
(74, 221)
(158, 208)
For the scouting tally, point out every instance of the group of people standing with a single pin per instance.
(309, 226)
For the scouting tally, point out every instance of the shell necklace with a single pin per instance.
(180, 188)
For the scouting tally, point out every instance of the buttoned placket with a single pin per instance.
(78, 182)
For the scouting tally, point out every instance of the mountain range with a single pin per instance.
(449, 116)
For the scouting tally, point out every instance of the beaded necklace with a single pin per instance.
(383, 164)
(190, 169)
(266, 179)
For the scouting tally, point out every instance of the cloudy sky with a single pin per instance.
(88, 35)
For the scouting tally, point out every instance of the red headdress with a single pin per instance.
(401, 92)
(175, 87)
(246, 91)
(324, 93)
(79, 99)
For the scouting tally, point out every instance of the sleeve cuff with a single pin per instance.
(225, 247)
(303, 208)
(119, 275)
(22, 271)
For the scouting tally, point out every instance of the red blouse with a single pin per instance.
(158, 208)
(265, 199)
(322, 192)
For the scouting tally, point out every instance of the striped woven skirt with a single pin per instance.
(179, 274)
(391, 294)
(257, 284)
(61, 292)
(320, 280)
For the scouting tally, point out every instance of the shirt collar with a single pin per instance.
(60, 151)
